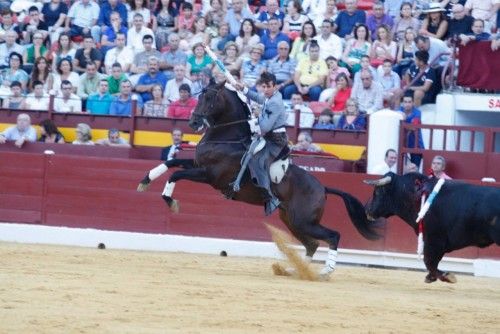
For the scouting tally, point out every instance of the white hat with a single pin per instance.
(18, 6)
(434, 7)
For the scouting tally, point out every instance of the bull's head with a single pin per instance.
(381, 203)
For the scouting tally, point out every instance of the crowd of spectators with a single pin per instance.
(99, 56)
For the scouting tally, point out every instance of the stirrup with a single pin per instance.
(271, 205)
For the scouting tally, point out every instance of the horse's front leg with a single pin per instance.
(159, 170)
(193, 174)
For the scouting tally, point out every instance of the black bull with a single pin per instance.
(461, 215)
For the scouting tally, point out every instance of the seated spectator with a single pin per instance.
(295, 19)
(252, 69)
(155, 107)
(368, 94)
(406, 50)
(172, 88)
(330, 14)
(356, 48)
(271, 37)
(247, 38)
(461, 23)
(66, 101)
(364, 65)
(283, 68)
(478, 33)
(184, 106)
(314, 9)
(393, 7)
(200, 34)
(184, 23)
(329, 43)
(174, 56)
(378, 19)
(89, 81)
(198, 61)
(119, 54)
(99, 103)
(54, 13)
(87, 54)
(272, 12)
(65, 72)
(422, 88)
(388, 165)
(122, 103)
(10, 46)
(50, 133)
(352, 119)
(82, 16)
(64, 50)
(482, 10)
(412, 115)
(231, 57)
(383, 47)
(111, 30)
(325, 120)
(114, 139)
(14, 72)
(7, 25)
(34, 26)
(19, 133)
(306, 114)
(163, 22)
(448, 6)
(334, 70)
(112, 16)
(140, 64)
(435, 24)
(222, 37)
(16, 99)
(404, 21)
(149, 79)
(34, 51)
(340, 94)
(41, 72)
(438, 166)
(391, 84)
(169, 152)
(83, 135)
(300, 48)
(116, 77)
(348, 19)
(311, 73)
(138, 7)
(215, 14)
(305, 143)
(38, 100)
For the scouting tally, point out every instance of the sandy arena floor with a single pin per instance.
(47, 289)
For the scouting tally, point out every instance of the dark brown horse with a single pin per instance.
(217, 162)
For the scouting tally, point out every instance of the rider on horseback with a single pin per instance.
(270, 132)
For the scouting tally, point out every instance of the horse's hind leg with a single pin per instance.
(194, 174)
(159, 170)
(310, 244)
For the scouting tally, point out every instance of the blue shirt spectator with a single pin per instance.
(271, 38)
(235, 15)
(112, 6)
(51, 16)
(99, 103)
(347, 20)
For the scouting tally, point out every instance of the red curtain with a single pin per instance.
(479, 67)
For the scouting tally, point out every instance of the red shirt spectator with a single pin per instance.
(184, 106)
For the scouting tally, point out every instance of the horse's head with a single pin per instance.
(217, 106)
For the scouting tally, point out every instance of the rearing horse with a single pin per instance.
(217, 162)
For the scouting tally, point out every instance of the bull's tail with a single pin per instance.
(368, 229)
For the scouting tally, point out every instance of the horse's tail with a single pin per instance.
(368, 229)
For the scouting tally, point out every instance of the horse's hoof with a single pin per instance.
(174, 206)
(278, 270)
(429, 278)
(142, 187)
(324, 274)
(448, 278)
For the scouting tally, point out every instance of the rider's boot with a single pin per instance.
(272, 203)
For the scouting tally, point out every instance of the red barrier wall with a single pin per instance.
(93, 192)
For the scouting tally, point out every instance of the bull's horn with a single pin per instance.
(380, 182)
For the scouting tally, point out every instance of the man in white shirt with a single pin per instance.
(66, 101)
(82, 16)
(119, 54)
(8, 47)
(306, 114)
(369, 93)
(136, 33)
(38, 100)
(20, 133)
(171, 93)
(329, 43)
(389, 164)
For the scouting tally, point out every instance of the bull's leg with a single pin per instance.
(433, 254)
(159, 170)
(194, 174)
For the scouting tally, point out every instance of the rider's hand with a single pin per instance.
(239, 86)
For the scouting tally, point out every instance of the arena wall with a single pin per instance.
(100, 193)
